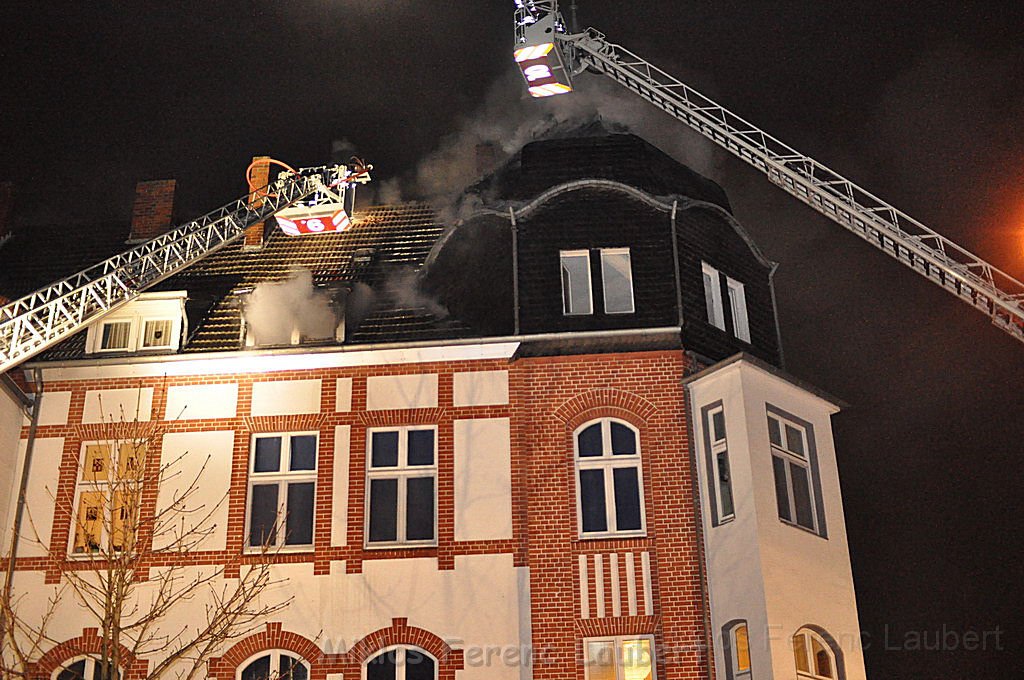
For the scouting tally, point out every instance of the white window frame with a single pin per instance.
(790, 457)
(608, 462)
(142, 334)
(113, 322)
(567, 294)
(713, 284)
(617, 641)
(720, 446)
(403, 472)
(159, 306)
(734, 651)
(90, 669)
(811, 636)
(283, 477)
(629, 277)
(107, 487)
(738, 305)
(275, 662)
(400, 659)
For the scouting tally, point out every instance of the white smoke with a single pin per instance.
(276, 311)
(403, 287)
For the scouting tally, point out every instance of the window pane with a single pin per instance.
(800, 653)
(292, 669)
(618, 282)
(623, 440)
(781, 488)
(822, 660)
(75, 671)
(601, 660)
(718, 426)
(382, 667)
(627, 499)
(156, 333)
(384, 447)
(802, 495)
(263, 515)
(738, 305)
(89, 529)
(419, 509)
(595, 515)
(383, 510)
(724, 486)
(303, 452)
(590, 441)
(421, 447)
(299, 521)
(115, 335)
(774, 431)
(742, 645)
(637, 662)
(576, 284)
(96, 466)
(418, 666)
(713, 298)
(268, 455)
(258, 669)
(794, 440)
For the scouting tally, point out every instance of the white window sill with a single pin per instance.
(591, 536)
(400, 546)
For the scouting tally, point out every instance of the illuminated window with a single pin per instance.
(737, 650)
(153, 323)
(402, 663)
(282, 490)
(83, 669)
(794, 466)
(713, 296)
(108, 497)
(157, 333)
(116, 336)
(617, 281)
(814, 656)
(609, 479)
(619, 658)
(402, 487)
(738, 307)
(577, 296)
(274, 665)
(719, 474)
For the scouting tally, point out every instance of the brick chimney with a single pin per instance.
(260, 178)
(6, 206)
(151, 213)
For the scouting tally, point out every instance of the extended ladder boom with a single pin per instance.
(47, 316)
(973, 280)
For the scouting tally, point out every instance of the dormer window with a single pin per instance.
(153, 323)
(714, 300)
(616, 281)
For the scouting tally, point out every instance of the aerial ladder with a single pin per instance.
(550, 56)
(307, 200)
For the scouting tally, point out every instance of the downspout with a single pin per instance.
(34, 405)
(701, 547)
(515, 269)
(675, 262)
(775, 313)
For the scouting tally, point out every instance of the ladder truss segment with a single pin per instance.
(957, 270)
(41, 319)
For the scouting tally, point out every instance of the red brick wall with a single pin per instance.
(260, 175)
(153, 209)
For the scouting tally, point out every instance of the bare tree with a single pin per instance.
(136, 523)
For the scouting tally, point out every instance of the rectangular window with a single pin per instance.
(617, 281)
(718, 470)
(794, 469)
(619, 658)
(577, 296)
(116, 335)
(713, 296)
(157, 333)
(107, 500)
(402, 485)
(282, 490)
(738, 306)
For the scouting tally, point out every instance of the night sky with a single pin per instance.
(918, 102)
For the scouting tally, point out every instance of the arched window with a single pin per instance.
(736, 646)
(402, 663)
(815, 657)
(83, 668)
(274, 665)
(608, 479)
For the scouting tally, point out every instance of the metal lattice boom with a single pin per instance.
(42, 319)
(957, 270)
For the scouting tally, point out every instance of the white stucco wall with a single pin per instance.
(401, 391)
(776, 576)
(197, 470)
(480, 388)
(10, 433)
(115, 406)
(483, 479)
(286, 397)
(196, 402)
(37, 523)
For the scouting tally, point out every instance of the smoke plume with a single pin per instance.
(276, 311)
